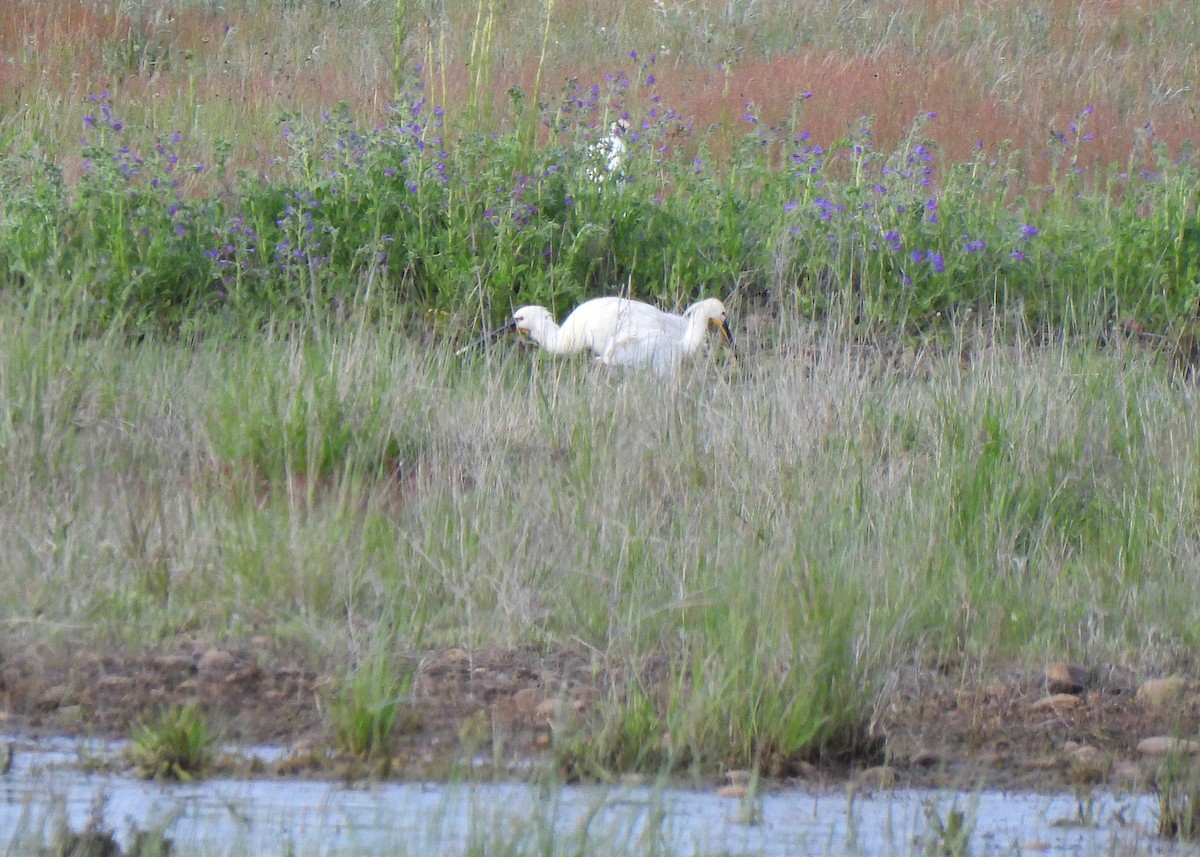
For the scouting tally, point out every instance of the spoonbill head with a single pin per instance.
(712, 311)
(536, 322)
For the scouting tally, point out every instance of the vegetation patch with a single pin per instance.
(374, 704)
(176, 745)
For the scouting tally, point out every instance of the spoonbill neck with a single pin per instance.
(693, 336)
(553, 338)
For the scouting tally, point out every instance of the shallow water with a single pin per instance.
(285, 817)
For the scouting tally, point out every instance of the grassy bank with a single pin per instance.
(752, 555)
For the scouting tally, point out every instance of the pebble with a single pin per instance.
(1163, 745)
(807, 771)
(213, 660)
(879, 776)
(1128, 773)
(527, 701)
(1082, 753)
(52, 697)
(182, 663)
(1040, 763)
(1065, 677)
(68, 715)
(1158, 692)
(1056, 702)
(925, 758)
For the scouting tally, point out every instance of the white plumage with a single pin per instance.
(623, 332)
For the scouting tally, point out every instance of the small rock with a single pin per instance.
(1158, 692)
(454, 656)
(1066, 677)
(68, 715)
(879, 776)
(307, 745)
(1056, 702)
(52, 697)
(527, 702)
(734, 791)
(737, 777)
(1040, 763)
(249, 675)
(1163, 745)
(807, 771)
(1082, 753)
(181, 663)
(1128, 773)
(559, 714)
(213, 660)
(925, 758)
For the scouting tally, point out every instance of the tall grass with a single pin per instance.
(748, 559)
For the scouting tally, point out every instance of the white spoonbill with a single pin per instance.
(608, 153)
(592, 324)
(663, 347)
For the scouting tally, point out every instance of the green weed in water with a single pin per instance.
(176, 745)
(371, 707)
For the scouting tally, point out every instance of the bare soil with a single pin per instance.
(936, 729)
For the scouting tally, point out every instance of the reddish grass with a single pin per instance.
(63, 50)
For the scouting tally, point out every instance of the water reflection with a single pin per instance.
(284, 817)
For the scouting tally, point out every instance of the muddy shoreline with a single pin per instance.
(938, 729)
